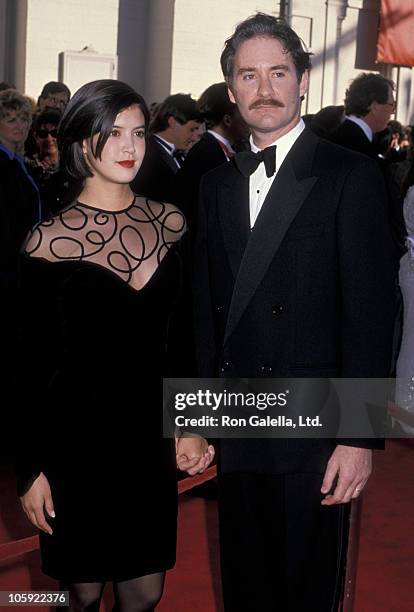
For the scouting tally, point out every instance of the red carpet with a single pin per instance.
(385, 580)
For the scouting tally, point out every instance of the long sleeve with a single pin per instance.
(368, 280)
(38, 331)
(203, 317)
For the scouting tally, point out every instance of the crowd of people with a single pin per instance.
(105, 207)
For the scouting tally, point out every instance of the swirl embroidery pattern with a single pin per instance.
(131, 243)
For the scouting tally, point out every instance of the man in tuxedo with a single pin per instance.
(224, 127)
(293, 278)
(174, 129)
(369, 104)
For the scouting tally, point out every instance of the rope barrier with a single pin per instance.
(17, 548)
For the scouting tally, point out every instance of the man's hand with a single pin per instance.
(194, 455)
(353, 467)
(36, 500)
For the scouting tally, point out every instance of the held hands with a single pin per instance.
(193, 453)
(38, 499)
(353, 467)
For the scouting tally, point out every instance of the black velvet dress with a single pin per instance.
(98, 292)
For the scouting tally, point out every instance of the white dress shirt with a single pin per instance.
(169, 147)
(259, 183)
(224, 141)
(364, 126)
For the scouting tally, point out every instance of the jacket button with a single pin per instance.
(266, 369)
(225, 366)
(277, 310)
(219, 308)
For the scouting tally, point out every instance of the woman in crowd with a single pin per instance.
(43, 164)
(19, 211)
(99, 285)
(403, 411)
(20, 208)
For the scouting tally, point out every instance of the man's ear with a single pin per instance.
(229, 91)
(304, 83)
(172, 122)
(373, 107)
(227, 120)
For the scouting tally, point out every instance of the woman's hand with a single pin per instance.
(194, 454)
(38, 499)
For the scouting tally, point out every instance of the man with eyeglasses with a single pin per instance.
(369, 104)
(54, 95)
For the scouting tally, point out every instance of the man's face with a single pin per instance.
(186, 134)
(265, 87)
(57, 100)
(382, 112)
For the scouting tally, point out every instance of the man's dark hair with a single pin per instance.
(93, 110)
(364, 90)
(180, 106)
(214, 104)
(271, 27)
(5, 85)
(54, 87)
(50, 115)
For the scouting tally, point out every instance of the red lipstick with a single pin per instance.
(127, 163)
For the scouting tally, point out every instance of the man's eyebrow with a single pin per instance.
(276, 67)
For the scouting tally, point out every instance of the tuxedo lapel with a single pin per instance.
(289, 190)
(167, 158)
(233, 201)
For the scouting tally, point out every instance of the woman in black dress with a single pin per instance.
(99, 285)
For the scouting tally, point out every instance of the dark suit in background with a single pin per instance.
(308, 292)
(156, 178)
(205, 155)
(348, 134)
(351, 136)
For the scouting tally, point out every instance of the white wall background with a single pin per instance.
(200, 29)
(170, 46)
(65, 25)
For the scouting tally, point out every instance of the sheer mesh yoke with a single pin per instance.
(131, 243)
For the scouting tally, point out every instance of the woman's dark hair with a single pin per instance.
(268, 26)
(364, 90)
(50, 115)
(180, 106)
(214, 104)
(93, 110)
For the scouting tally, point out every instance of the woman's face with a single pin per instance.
(45, 137)
(14, 128)
(124, 150)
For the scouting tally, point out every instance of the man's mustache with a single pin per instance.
(266, 102)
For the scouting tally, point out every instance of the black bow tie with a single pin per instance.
(247, 161)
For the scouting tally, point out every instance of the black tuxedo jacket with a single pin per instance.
(309, 292)
(351, 136)
(205, 155)
(348, 134)
(156, 176)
